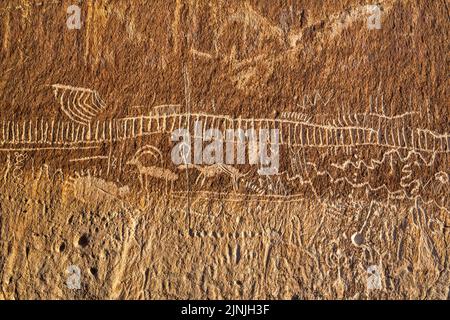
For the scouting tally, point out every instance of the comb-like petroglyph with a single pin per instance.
(253, 138)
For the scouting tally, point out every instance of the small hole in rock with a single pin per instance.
(84, 240)
(357, 239)
(62, 247)
(94, 271)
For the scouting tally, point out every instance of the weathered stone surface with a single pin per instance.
(92, 206)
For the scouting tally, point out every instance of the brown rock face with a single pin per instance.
(134, 160)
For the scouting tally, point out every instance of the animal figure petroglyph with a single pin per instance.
(214, 170)
(89, 189)
(151, 171)
(348, 132)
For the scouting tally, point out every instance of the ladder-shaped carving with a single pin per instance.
(292, 133)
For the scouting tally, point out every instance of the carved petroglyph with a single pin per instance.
(7, 169)
(402, 144)
(212, 171)
(151, 171)
(359, 208)
(88, 158)
(92, 190)
(19, 161)
(79, 104)
(297, 130)
(304, 134)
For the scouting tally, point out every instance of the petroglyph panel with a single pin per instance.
(224, 150)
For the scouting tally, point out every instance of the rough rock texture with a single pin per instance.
(91, 205)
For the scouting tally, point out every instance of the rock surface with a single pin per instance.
(93, 207)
